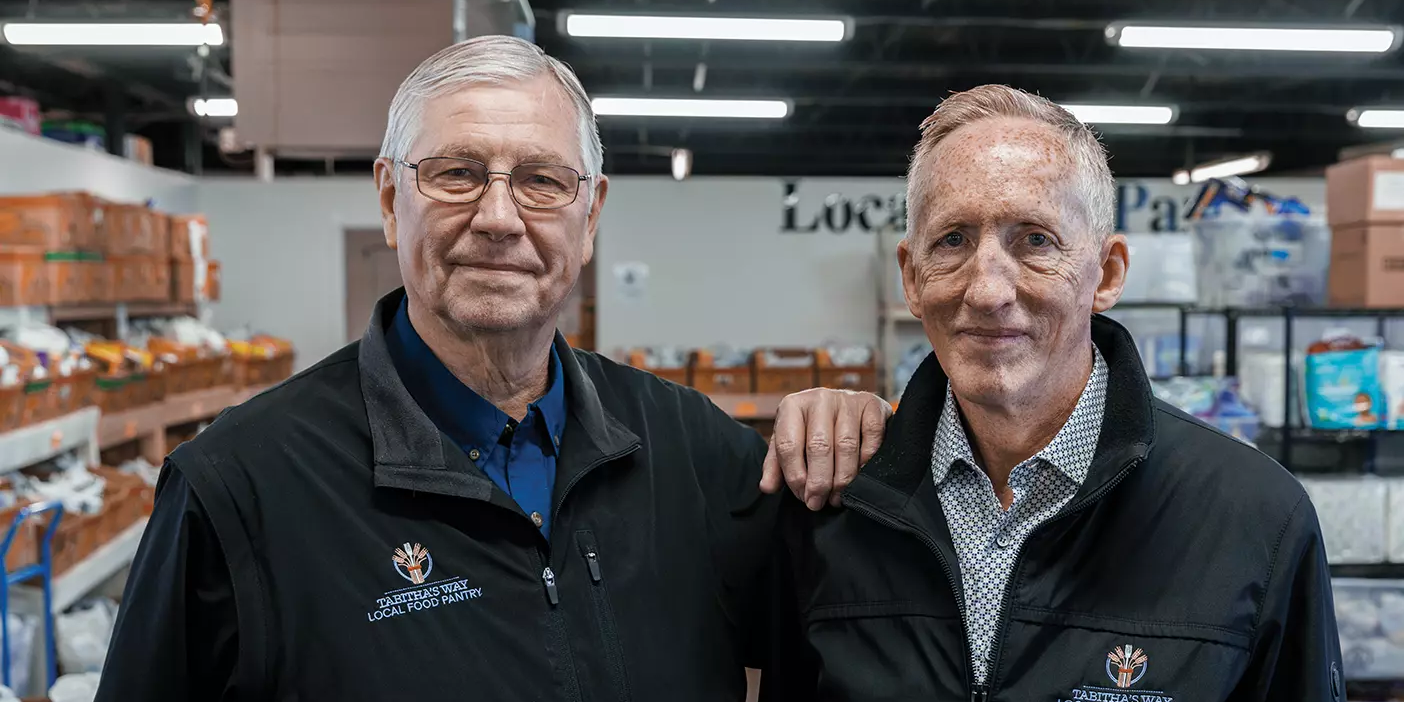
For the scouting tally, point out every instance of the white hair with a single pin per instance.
(493, 59)
(1089, 157)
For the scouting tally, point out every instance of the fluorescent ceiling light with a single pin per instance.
(216, 107)
(1227, 168)
(1181, 177)
(1368, 40)
(720, 28)
(1122, 114)
(112, 34)
(1377, 119)
(687, 107)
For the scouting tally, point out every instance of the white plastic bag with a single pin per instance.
(82, 635)
(81, 687)
(23, 630)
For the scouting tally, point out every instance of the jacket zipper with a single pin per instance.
(1002, 615)
(978, 693)
(558, 627)
(605, 611)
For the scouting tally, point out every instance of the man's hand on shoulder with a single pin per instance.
(821, 438)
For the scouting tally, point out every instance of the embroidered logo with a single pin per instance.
(413, 563)
(1126, 666)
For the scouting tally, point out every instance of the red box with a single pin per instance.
(20, 113)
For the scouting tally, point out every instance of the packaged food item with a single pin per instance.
(1342, 384)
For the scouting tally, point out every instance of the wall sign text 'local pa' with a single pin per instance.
(1136, 209)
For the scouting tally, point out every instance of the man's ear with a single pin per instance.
(1116, 258)
(386, 183)
(593, 224)
(910, 289)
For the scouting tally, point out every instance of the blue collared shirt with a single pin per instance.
(519, 457)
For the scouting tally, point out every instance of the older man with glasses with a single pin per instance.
(461, 506)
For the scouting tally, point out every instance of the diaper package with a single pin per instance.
(1392, 379)
(1343, 389)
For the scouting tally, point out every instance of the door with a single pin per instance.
(372, 270)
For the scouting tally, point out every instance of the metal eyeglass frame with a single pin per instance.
(490, 173)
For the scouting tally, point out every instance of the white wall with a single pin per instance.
(281, 247)
(30, 164)
(722, 268)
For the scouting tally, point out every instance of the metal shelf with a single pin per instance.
(97, 568)
(105, 311)
(40, 442)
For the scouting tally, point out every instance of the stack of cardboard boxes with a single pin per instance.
(1365, 208)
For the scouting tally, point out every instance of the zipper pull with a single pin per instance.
(979, 693)
(592, 560)
(549, 577)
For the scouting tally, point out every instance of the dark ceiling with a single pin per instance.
(857, 104)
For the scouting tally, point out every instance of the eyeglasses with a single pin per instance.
(462, 181)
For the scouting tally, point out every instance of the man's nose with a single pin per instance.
(992, 276)
(497, 217)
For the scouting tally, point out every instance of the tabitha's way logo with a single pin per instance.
(1125, 666)
(413, 563)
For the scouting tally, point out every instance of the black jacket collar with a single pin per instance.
(902, 466)
(411, 453)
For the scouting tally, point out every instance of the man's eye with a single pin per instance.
(1039, 240)
(953, 239)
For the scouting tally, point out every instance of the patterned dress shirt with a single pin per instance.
(988, 538)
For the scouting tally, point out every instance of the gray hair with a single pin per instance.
(986, 101)
(491, 59)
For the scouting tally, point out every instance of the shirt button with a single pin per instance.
(473, 454)
(536, 519)
(1004, 541)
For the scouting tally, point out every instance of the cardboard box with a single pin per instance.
(1367, 190)
(58, 221)
(1367, 266)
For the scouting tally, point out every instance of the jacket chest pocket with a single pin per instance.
(887, 651)
(1063, 656)
(615, 675)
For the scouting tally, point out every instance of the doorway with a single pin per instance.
(372, 270)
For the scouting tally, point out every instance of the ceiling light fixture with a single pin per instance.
(215, 107)
(1376, 118)
(1366, 40)
(1229, 167)
(718, 28)
(1181, 177)
(112, 34)
(690, 107)
(1122, 114)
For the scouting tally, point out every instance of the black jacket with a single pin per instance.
(269, 571)
(1184, 543)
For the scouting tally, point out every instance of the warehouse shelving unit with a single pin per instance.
(148, 424)
(1281, 443)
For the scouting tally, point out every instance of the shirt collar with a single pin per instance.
(458, 411)
(1071, 451)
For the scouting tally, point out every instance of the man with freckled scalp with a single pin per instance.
(1036, 525)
